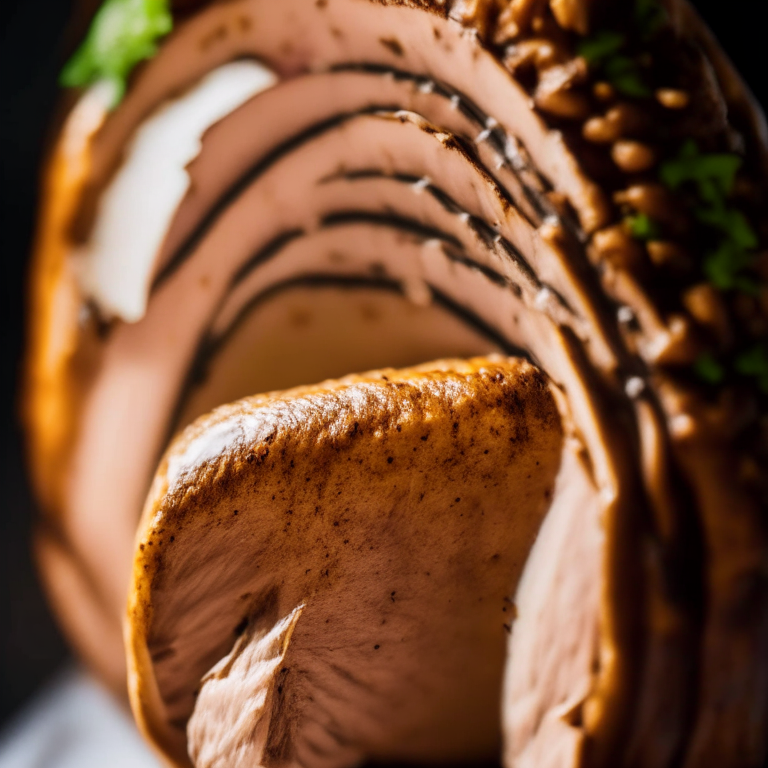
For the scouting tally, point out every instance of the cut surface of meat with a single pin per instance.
(372, 596)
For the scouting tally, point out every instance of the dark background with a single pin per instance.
(31, 50)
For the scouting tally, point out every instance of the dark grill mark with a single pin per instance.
(486, 233)
(534, 188)
(536, 197)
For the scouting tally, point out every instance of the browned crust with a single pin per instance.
(334, 419)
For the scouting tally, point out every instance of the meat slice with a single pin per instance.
(298, 36)
(116, 264)
(371, 598)
(285, 202)
(371, 318)
(303, 107)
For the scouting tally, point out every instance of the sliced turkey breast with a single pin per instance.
(297, 190)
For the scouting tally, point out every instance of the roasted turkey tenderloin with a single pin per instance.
(251, 195)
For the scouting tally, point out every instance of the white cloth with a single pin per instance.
(73, 723)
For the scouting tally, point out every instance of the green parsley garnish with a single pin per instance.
(707, 180)
(754, 364)
(123, 33)
(625, 76)
(730, 222)
(601, 46)
(725, 265)
(714, 174)
(606, 50)
(751, 364)
(708, 369)
(642, 227)
(713, 177)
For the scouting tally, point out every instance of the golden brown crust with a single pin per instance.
(391, 449)
(55, 336)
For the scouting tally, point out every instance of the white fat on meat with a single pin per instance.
(135, 211)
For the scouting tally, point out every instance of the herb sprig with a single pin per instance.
(727, 264)
(751, 363)
(606, 50)
(642, 227)
(122, 34)
(754, 364)
(705, 180)
(712, 177)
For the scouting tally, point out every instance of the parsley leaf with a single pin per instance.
(123, 33)
(604, 51)
(724, 267)
(625, 76)
(643, 227)
(714, 174)
(708, 369)
(601, 46)
(754, 363)
(732, 223)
